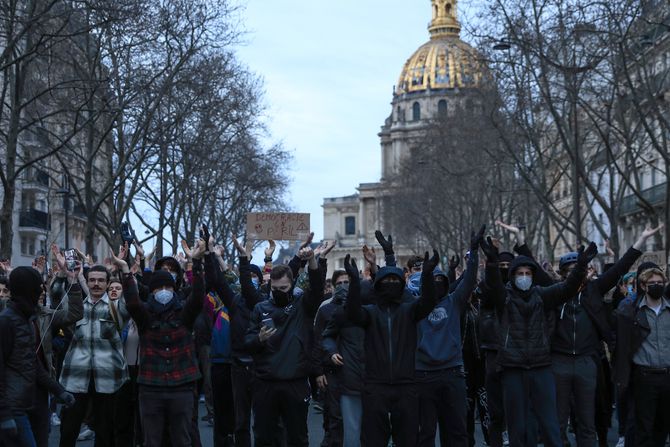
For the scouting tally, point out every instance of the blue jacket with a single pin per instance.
(439, 335)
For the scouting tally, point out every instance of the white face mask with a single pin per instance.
(164, 296)
(523, 282)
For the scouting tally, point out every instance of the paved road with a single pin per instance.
(315, 433)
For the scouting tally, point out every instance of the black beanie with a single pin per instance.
(25, 284)
(161, 278)
(505, 256)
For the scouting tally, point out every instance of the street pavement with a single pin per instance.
(315, 433)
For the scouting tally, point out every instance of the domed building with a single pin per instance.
(443, 74)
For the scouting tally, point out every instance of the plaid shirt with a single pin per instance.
(96, 350)
(167, 350)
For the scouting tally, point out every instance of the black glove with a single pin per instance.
(351, 268)
(387, 244)
(9, 429)
(476, 239)
(67, 399)
(490, 250)
(454, 262)
(430, 264)
(586, 256)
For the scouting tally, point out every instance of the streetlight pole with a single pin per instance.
(65, 192)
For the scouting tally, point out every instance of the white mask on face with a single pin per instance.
(164, 296)
(523, 282)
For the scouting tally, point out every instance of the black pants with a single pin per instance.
(494, 398)
(652, 397)
(40, 417)
(332, 400)
(286, 400)
(103, 418)
(604, 401)
(224, 410)
(443, 401)
(127, 427)
(390, 410)
(169, 409)
(242, 376)
(576, 378)
(475, 379)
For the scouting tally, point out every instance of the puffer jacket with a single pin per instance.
(20, 370)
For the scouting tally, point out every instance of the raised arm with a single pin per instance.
(194, 304)
(72, 309)
(215, 281)
(469, 279)
(557, 294)
(355, 311)
(314, 296)
(387, 246)
(131, 294)
(428, 299)
(493, 293)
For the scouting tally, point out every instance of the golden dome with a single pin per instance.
(445, 61)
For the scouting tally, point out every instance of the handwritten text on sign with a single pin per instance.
(277, 226)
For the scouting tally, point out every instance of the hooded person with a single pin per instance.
(4, 292)
(439, 358)
(22, 362)
(390, 350)
(524, 310)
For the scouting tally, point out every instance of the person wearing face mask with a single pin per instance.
(524, 357)
(439, 359)
(23, 366)
(278, 339)
(390, 351)
(4, 292)
(582, 324)
(328, 381)
(642, 356)
(168, 369)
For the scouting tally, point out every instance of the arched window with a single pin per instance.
(447, 9)
(416, 112)
(442, 107)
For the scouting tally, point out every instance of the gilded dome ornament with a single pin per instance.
(445, 61)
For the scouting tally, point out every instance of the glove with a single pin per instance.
(351, 268)
(476, 238)
(387, 244)
(9, 428)
(454, 262)
(586, 255)
(430, 264)
(66, 399)
(490, 250)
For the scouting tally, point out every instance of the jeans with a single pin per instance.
(526, 387)
(352, 412)
(443, 401)
(165, 408)
(576, 377)
(24, 436)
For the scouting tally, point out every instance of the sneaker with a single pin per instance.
(86, 434)
(55, 420)
(621, 442)
(202, 399)
(505, 437)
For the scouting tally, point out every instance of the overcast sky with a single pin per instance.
(329, 69)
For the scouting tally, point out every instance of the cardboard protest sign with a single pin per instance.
(277, 226)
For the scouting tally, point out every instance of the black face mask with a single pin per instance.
(655, 291)
(280, 298)
(442, 288)
(391, 291)
(505, 275)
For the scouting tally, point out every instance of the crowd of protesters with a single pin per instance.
(395, 354)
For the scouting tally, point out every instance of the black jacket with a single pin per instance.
(632, 328)
(287, 355)
(343, 337)
(391, 332)
(20, 369)
(525, 319)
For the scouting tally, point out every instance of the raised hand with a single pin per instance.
(187, 249)
(123, 251)
(39, 263)
(454, 262)
(508, 227)
(387, 244)
(60, 259)
(490, 250)
(73, 275)
(586, 255)
(306, 254)
(351, 268)
(369, 255)
(209, 240)
(199, 250)
(241, 251)
(307, 242)
(476, 239)
(219, 251)
(270, 250)
(119, 261)
(429, 264)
